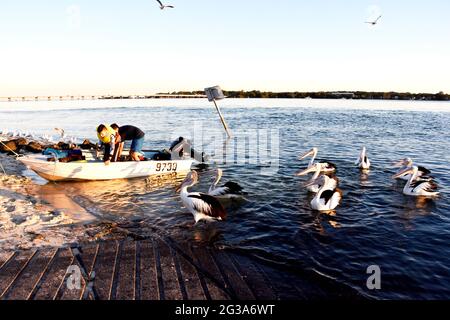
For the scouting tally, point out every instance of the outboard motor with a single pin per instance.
(182, 146)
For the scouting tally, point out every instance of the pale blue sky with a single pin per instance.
(59, 47)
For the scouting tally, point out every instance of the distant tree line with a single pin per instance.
(441, 96)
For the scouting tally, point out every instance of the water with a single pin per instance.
(375, 224)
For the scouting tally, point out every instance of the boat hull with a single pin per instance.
(89, 171)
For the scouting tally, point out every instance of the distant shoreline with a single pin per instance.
(254, 94)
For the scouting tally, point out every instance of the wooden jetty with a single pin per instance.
(154, 269)
(102, 97)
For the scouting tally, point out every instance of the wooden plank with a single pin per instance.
(171, 285)
(41, 277)
(148, 283)
(104, 269)
(186, 250)
(126, 271)
(191, 279)
(25, 282)
(87, 256)
(253, 277)
(5, 258)
(11, 271)
(214, 280)
(231, 276)
(53, 278)
(159, 276)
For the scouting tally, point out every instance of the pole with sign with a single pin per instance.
(213, 94)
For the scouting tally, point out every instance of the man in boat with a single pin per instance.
(128, 133)
(107, 137)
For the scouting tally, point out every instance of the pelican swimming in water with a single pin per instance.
(415, 185)
(407, 163)
(201, 205)
(326, 167)
(316, 168)
(229, 190)
(327, 198)
(363, 161)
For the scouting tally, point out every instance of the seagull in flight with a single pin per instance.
(163, 6)
(61, 132)
(374, 22)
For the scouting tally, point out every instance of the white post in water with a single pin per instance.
(213, 94)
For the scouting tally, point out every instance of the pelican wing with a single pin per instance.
(208, 205)
(336, 199)
(160, 3)
(428, 186)
(424, 170)
(327, 195)
(219, 191)
(329, 165)
(233, 187)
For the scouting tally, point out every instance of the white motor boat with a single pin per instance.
(95, 169)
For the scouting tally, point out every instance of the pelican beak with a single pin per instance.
(307, 154)
(402, 173)
(311, 182)
(306, 171)
(178, 189)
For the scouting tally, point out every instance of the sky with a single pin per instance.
(59, 47)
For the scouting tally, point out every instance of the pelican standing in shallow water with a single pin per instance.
(316, 168)
(201, 205)
(363, 161)
(229, 190)
(407, 163)
(326, 167)
(417, 186)
(327, 198)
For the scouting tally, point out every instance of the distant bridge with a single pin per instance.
(97, 97)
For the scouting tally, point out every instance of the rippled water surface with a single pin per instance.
(375, 224)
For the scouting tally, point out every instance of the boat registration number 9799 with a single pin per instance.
(166, 167)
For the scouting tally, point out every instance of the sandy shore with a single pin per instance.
(32, 215)
(28, 221)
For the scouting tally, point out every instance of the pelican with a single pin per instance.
(163, 6)
(327, 198)
(201, 205)
(229, 190)
(407, 163)
(326, 167)
(417, 187)
(374, 22)
(316, 168)
(363, 161)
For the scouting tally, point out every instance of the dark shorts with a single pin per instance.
(136, 144)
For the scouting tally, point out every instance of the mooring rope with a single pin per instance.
(15, 153)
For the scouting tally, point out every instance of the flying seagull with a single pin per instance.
(61, 132)
(374, 22)
(163, 6)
